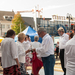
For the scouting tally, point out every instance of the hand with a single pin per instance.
(27, 51)
(18, 65)
(59, 54)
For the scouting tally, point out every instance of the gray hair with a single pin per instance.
(41, 29)
(36, 38)
(61, 29)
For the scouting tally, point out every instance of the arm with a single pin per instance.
(45, 44)
(17, 62)
(14, 52)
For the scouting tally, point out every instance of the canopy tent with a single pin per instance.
(1, 38)
(31, 32)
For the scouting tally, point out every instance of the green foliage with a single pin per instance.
(17, 20)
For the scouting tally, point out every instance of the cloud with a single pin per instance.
(57, 6)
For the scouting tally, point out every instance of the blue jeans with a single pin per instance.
(48, 63)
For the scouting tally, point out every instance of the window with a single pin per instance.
(3, 26)
(8, 26)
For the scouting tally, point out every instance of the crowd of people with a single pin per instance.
(16, 56)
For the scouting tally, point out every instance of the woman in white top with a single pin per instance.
(21, 52)
(10, 55)
(27, 45)
(36, 44)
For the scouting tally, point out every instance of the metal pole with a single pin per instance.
(35, 19)
(69, 23)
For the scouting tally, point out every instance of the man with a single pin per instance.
(46, 51)
(70, 55)
(62, 41)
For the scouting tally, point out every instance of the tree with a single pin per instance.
(16, 22)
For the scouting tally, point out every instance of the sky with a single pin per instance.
(50, 7)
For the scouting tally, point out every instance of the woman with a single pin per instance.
(21, 52)
(27, 45)
(36, 44)
(10, 61)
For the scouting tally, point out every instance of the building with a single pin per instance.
(5, 21)
(29, 21)
(52, 25)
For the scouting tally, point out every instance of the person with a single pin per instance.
(29, 39)
(62, 41)
(70, 54)
(46, 51)
(36, 44)
(26, 45)
(71, 35)
(9, 50)
(57, 50)
(21, 52)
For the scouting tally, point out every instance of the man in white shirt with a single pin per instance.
(62, 41)
(46, 51)
(70, 55)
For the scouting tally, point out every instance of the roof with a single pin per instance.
(29, 21)
(6, 13)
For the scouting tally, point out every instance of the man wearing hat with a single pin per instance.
(70, 55)
(62, 41)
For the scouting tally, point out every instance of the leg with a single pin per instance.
(48, 63)
(62, 60)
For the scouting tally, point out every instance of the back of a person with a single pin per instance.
(6, 52)
(26, 45)
(36, 44)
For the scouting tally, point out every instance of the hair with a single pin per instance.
(61, 29)
(71, 35)
(27, 36)
(41, 29)
(10, 33)
(21, 36)
(36, 38)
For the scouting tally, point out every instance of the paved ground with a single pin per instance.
(57, 69)
(42, 72)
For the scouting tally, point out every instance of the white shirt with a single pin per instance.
(9, 52)
(26, 45)
(47, 47)
(21, 52)
(70, 55)
(36, 45)
(62, 41)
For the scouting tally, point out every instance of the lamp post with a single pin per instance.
(69, 17)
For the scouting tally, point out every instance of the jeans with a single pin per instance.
(48, 63)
